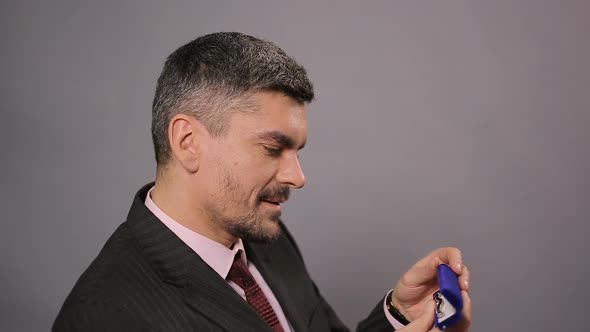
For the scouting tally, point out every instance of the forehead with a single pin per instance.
(274, 112)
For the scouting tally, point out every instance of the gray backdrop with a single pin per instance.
(437, 123)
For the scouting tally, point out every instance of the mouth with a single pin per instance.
(274, 197)
(276, 200)
(274, 203)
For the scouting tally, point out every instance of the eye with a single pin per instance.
(272, 151)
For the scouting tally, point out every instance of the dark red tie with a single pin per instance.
(241, 276)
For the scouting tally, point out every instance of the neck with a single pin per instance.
(181, 203)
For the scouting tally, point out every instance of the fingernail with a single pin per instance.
(459, 266)
(466, 283)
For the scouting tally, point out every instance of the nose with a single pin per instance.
(291, 172)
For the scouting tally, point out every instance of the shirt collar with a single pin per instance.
(216, 255)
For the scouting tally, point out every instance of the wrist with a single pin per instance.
(394, 308)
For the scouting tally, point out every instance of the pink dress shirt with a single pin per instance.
(218, 257)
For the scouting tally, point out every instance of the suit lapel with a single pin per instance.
(281, 281)
(209, 294)
(177, 264)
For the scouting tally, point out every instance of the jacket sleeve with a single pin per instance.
(376, 321)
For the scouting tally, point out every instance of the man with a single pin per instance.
(204, 248)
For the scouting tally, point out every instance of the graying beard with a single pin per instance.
(247, 230)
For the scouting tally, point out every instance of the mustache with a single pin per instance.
(280, 193)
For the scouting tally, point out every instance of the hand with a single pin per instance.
(413, 293)
(425, 322)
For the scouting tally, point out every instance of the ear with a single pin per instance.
(184, 136)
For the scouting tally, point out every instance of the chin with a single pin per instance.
(267, 235)
(269, 232)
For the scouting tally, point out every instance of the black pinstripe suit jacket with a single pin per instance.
(147, 279)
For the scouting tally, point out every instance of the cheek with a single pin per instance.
(252, 179)
(253, 166)
(250, 169)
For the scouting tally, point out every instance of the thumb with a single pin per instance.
(424, 322)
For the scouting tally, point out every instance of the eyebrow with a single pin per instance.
(279, 138)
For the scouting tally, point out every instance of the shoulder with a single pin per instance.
(119, 263)
(112, 288)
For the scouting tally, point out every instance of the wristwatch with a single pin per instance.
(394, 311)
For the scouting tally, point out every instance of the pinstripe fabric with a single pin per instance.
(146, 279)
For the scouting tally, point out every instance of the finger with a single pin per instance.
(466, 309)
(464, 279)
(425, 270)
(451, 256)
(424, 322)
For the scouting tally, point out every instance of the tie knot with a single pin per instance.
(239, 273)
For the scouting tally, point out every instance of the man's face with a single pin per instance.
(250, 170)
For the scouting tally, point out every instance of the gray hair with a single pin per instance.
(213, 76)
